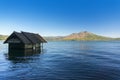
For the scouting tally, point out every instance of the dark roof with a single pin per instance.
(27, 37)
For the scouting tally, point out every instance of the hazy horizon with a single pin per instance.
(66, 35)
(60, 17)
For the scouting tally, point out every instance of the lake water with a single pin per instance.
(72, 60)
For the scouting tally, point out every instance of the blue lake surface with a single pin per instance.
(65, 60)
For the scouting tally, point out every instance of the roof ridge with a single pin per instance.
(16, 33)
(27, 32)
(26, 36)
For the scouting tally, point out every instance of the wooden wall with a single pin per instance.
(21, 46)
(32, 46)
(20, 49)
(16, 46)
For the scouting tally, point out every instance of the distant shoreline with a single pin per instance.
(81, 36)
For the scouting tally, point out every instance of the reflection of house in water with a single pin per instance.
(24, 43)
(25, 52)
(22, 55)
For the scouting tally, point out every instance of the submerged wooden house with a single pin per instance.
(24, 41)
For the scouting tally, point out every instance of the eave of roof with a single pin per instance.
(28, 38)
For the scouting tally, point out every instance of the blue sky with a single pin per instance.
(60, 17)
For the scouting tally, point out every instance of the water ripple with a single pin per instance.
(72, 60)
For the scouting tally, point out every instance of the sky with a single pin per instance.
(60, 17)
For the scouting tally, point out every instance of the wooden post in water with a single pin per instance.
(41, 47)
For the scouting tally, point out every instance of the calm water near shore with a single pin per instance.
(64, 60)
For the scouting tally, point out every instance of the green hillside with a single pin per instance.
(84, 36)
(54, 38)
(3, 37)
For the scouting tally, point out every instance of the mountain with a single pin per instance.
(84, 36)
(3, 37)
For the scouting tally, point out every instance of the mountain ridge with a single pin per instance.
(80, 36)
(84, 36)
